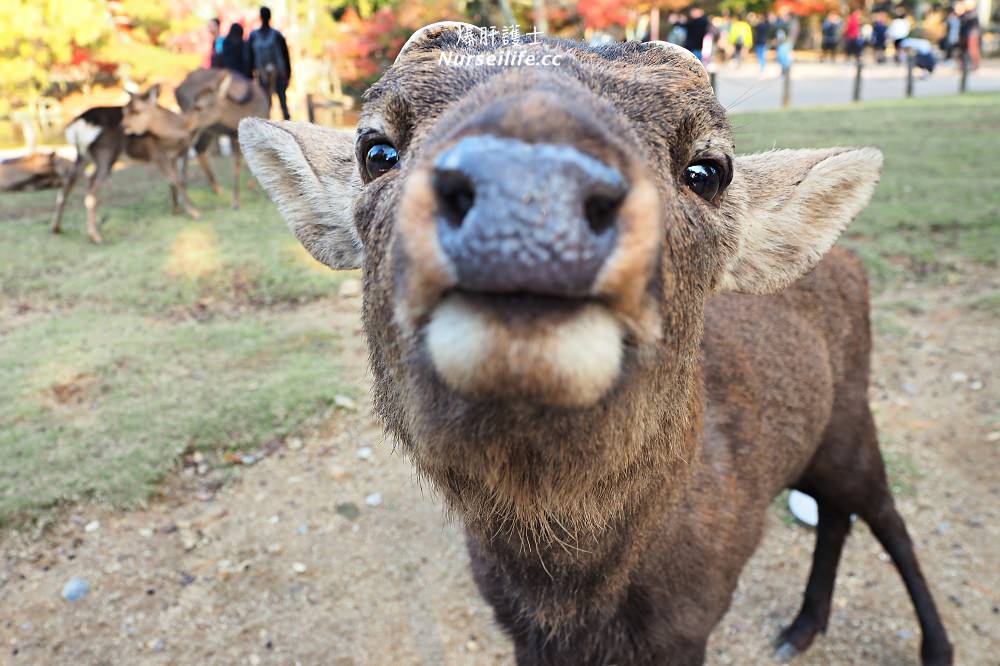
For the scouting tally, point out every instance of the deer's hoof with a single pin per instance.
(937, 655)
(785, 653)
(55, 229)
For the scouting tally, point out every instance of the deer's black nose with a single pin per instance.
(520, 217)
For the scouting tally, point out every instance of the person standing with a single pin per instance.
(880, 36)
(268, 59)
(969, 36)
(234, 51)
(761, 37)
(740, 37)
(899, 30)
(697, 28)
(215, 50)
(953, 27)
(831, 36)
(852, 35)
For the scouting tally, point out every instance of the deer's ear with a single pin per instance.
(311, 175)
(788, 207)
(153, 93)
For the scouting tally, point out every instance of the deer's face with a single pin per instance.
(538, 242)
(139, 111)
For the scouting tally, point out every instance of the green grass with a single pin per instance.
(180, 335)
(937, 203)
(176, 335)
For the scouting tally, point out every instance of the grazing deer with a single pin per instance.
(144, 131)
(244, 99)
(607, 339)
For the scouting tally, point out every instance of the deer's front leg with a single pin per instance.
(169, 169)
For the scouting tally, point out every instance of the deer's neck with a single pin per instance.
(573, 578)
(169, 126)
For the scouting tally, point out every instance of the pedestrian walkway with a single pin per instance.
(815, 84)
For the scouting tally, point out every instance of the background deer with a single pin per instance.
(244, 99)
(144, 131)
(607, 339)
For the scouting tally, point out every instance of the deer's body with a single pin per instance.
(253, 102)
(750, 442)
(607, 340)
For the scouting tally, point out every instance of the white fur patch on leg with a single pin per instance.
(572, 362)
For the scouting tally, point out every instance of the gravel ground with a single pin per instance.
(317, 554)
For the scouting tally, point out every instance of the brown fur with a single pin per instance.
(144, 131)
(246, 99)
(613, 532)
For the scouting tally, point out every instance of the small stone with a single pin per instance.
(254, 660)
(904, 634)
(941, 528)
(274, 548)
(299, 568)
(274, 520)
(146, 532)
(471, 646)
(198, 457)
(247, 459)
(338, 473)
(202, 469)
(910, 388)
(344, 402)
(189, 540)
(157, 645)
(186, 579)
(295, 443)
(993, 436)
(92, 526)
(365, 452)
(349, 510)
(374, 499)
(959, 377)
(976, 385)
(350, 289)
(303, 529)
(75, 589)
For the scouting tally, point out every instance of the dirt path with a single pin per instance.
(288, 563)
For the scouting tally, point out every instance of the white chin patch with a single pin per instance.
(570, 361)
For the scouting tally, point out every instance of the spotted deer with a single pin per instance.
(606, 338)
(144, 131)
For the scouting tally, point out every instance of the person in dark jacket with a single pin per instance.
(761, 39)
(832, 26)
(234, 51)
(697, 28)
(268, 54)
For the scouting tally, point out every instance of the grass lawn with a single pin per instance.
(180, 335)
(176, 335)
(937, 204)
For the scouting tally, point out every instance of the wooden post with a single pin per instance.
(712, 79)
(310, 109)
(857, 82)
(786, 92)
(909, 75)
(964, 81)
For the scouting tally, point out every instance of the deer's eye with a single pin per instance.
(380, 158)
(705, 179)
